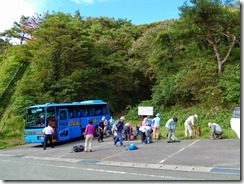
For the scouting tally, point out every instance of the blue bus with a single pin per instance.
(68, 120)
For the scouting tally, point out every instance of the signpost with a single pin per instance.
(145, 111)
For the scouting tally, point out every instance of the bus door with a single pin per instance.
(63, 125)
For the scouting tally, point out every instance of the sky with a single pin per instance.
(137, 11)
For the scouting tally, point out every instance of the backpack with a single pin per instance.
(132, 147)
(78, 148)
(149, 123)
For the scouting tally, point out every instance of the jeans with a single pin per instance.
(119, 138)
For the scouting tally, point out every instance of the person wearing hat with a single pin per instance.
(216, 131)
(120, 127)
(188, 125)
(156, 126)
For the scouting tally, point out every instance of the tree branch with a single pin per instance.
(231, 47)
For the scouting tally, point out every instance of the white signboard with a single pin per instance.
(145, 111)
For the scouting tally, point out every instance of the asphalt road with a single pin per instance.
(194, 159)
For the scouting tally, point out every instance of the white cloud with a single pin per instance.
(11, 11)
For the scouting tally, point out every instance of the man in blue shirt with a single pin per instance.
(170, 126)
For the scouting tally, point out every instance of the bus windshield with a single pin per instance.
(35, 118)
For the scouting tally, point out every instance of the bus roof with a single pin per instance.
(86, 102)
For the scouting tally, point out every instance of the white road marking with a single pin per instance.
(162, 161)
(108, 171)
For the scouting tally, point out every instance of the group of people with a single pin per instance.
(117, 129)
(148, 130)
(153, 127)
(216, 130)
(215, 133)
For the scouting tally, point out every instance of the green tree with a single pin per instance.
(21, 30)
(215, 21)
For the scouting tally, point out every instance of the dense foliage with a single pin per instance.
(184, 66)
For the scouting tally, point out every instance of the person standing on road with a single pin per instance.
(120, 127)
(156, 126)
(100, 130)
(216, 131)
(128, 130)
(188, 125)
(89, 134)
(48, 135)
(170, 126)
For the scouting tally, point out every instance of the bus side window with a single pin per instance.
(71, 115)
(98, 112)
(91, 111)
(84, 113)
(104, 110)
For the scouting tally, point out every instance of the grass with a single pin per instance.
(10, 143)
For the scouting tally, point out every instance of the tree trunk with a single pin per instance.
(217, 54)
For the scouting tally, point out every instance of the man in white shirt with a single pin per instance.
(48, 132)
(188, 125)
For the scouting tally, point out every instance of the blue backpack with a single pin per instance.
(132, 147)
(149, 123)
